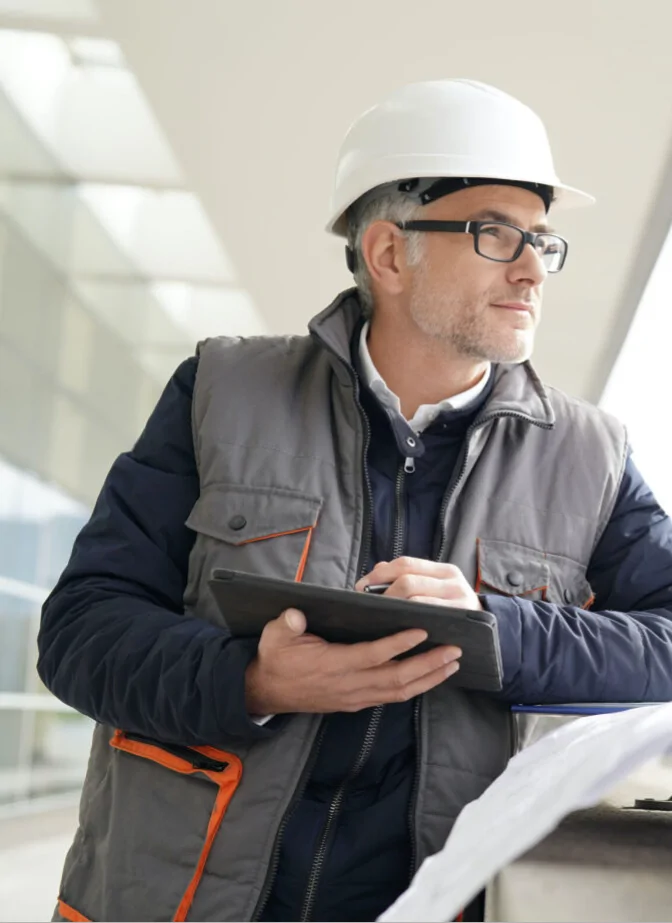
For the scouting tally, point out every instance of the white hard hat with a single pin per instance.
(445, 128)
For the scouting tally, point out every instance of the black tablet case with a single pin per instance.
(248, 601)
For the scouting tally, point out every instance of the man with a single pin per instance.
(406, 441)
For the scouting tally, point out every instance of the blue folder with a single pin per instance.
(580, 708)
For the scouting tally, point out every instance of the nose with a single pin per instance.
(529, 267)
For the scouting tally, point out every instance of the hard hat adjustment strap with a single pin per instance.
(429, 189)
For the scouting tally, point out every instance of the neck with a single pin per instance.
(431, 371)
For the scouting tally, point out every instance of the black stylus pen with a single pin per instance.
(378, 588)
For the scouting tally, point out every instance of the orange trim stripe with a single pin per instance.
(70, 914)
(536, 590)
(304, 557)
(218, 812)
(149, 752)
(226, 781)
(263, 538)
(477, 588)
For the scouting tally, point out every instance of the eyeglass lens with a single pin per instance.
(503, 242)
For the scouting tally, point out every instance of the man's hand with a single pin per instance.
(298, 672)
(424, 581)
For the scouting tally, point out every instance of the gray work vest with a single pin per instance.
(279, 441)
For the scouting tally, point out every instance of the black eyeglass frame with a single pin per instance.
(474, 228)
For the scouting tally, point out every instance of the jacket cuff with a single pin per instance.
(506, 610)
(232, 715)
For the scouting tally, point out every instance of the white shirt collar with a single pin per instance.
(425, 414)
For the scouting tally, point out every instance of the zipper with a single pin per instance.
(197, 760)
(364, 555)
(334, 811)
(398, 539)
(296, 797)
(456, 480)
(417, 704)
(367, 529)
(452, 487)
(407, 467)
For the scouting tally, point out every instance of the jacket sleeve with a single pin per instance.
(114, 642)
(621, 651)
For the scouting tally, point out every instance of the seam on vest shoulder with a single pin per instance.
(288, 492)
(612, 503)
(618, 439)
(538, 509)
(275, 450)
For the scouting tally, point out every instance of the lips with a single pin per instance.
(516, 306)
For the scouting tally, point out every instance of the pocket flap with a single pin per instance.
(569, 585)
(511, 569)
(238, 515)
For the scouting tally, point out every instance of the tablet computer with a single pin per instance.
(248, 601)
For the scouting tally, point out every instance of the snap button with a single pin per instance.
(515, 578)
(410, 441)
(237, 523)
(567, 596)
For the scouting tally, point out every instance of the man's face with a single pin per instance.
(485, 310)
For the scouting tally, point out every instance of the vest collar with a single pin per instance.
(517, 389)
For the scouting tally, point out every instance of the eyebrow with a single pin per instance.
(491, 214)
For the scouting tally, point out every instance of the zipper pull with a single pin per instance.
(409, 465)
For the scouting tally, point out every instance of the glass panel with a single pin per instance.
(42, 752)
(110, 272)
(637, 377)
(20, 152)
(167, 234)
(95, 120)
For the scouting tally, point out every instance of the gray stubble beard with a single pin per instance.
(454, 323)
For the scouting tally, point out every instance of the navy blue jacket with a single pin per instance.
(115, 645)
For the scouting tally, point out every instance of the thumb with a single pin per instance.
(294, 620)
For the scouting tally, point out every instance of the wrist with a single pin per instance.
(257, 700)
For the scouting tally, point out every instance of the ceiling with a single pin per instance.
(254, 97)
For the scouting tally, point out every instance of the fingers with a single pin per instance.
(296, 671)
(425, 683)
(367, 654)
(406, 672)
(409, 586)
(399, 682)
(389, 571)
(458, 602)
(424, 581)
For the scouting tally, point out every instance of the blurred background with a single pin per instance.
(165, 170)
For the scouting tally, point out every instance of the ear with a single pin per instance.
(384, 250)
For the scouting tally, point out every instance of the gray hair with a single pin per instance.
(389, 205)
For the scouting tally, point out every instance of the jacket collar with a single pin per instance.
(517, 388)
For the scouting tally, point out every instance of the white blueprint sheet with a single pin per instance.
(569, 769)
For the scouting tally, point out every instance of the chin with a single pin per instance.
(511, 353)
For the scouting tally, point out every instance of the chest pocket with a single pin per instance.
(509, 569)
(258, 530)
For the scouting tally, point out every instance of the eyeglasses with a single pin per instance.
(499, 241)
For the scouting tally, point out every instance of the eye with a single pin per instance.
(492, 230)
